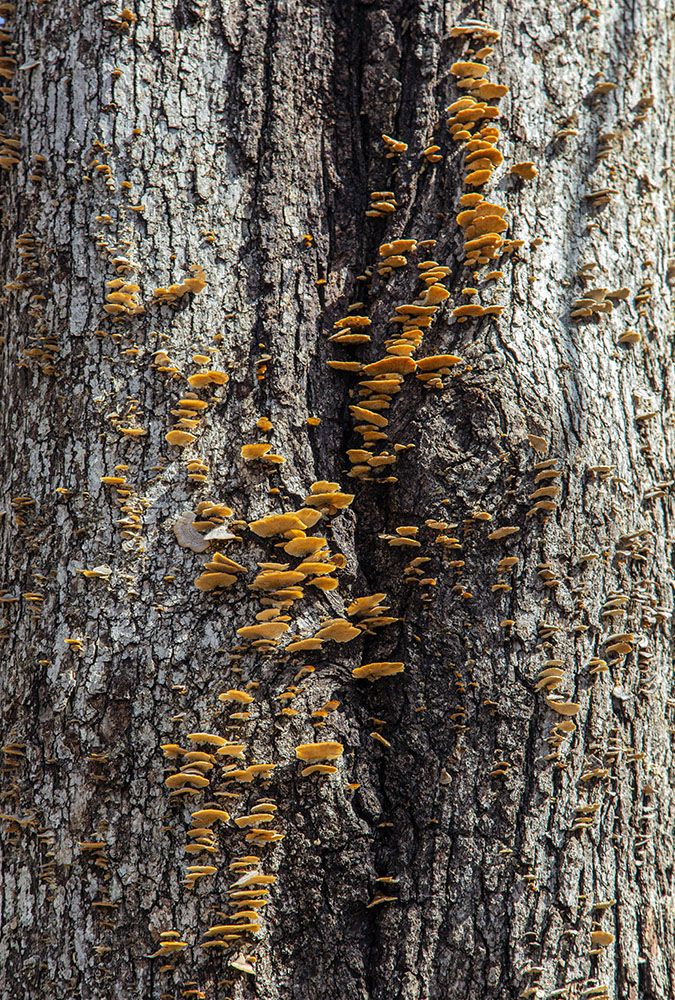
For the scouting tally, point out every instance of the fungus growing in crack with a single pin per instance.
(545, 491)
(316, 567)
(368, 416)
(248, 774)
(394, 146)
(539, 444)
(602, 87)
(403, 538)
(249, 452)
(186, 534)
(630, 337)
(377, 736)
(232, 931)
(432, 154)
(373, 671)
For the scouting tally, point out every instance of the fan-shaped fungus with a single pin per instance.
(372, 671)
(210, 581)
(249, 452)
(266, 630)
(180, 438)
(563, 707)
(233, 694)
(339, 630)
(207, 817)
(328, 750)
(526, 170)
(276, 524)
(210, 738)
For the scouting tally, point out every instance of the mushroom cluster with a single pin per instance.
(172, 295)
(132, 507)
(10, 143)
(213, 765)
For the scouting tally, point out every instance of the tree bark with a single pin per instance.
(520, 830)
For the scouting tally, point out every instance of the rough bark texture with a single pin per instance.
(243, 127)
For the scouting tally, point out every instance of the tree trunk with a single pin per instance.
(190, 188)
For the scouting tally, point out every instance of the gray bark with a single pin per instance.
(244, 126)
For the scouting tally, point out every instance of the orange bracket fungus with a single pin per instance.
(526, 170)
(328, 750)
(373, 671)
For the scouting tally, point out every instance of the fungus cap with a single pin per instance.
(436, 293)
(271, 580)
(503, 533)
(318, 769)
(372, 671)
(253, 451)
(266, 630)
(339, 630)
(526, 170)
(563, 707)
(210, 581)
(329, 750)
(211, 738)
(234, 694)
(467, 69)
(209, 816)
(180, 438)
(391, 363)
(276, 524)
(436, 361)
